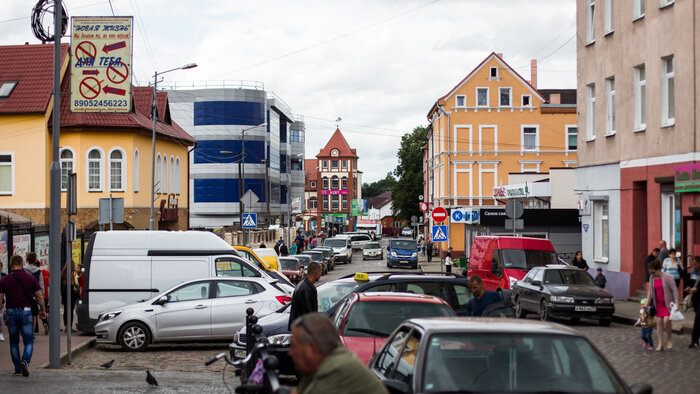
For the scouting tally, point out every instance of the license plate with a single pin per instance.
(584, 308)
(239, 353)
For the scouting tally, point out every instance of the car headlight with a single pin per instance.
(512, 281)
(563, 299)
(279, 339)
(604, 300)
(393, 254)
(108, 316)
(413, 254)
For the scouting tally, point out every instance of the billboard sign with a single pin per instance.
(101, 64)
(687, 178)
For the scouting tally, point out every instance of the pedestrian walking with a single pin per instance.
(304, 299)
(579, 261)
(429, 249)
(2, 306)
(422, 247)
(448, 260)
(325, 365)
(45, 279)
(646, 321)
(692, 289)
(293, 249)
(652, 256)
(284, 250)
(663, 252)
(661, 293)
(31, 268)
(600, 278)
(23, 293)
(672, 266)
(75, 293)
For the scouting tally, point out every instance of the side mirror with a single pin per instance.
(641, 388)
(396, 386)
(537, 283)
(162, 300)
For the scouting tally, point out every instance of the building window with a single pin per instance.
(493, 72)
(530, 166)
(601, 230)
(313, 203)
(609, 15)
(172, 175)
(664, 3)
(325, 183)
(590, 21)
(164, 175)
(158, 170)
(345, 164)
(640, 98)
(334, 202)
(67, 166)
(530, 138)
(345, 202)
(482, 97)
(461, 101)
(334, 165)
(571, 137)
(94, 173)
(325, 202)
(116, 170)
(136, 170)
(525, 100)
(334, 183)
(610, 106)
(638, 8)
(6, 88)
(325, 164)
(344, 183)
(7, 170)
(177, 175)
(312, 184)
(667, 91)
(504, 94)
(295, 136)
(590, 111)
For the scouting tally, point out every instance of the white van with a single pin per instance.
(122, 267)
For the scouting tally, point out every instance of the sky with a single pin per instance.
(379, 65)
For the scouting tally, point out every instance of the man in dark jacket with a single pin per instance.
(304, 299)
(654, 254)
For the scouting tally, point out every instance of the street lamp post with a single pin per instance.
(151, 222)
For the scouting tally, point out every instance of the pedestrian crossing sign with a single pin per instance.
(250, 220)
(439, 233)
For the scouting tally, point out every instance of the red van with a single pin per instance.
(501, 261)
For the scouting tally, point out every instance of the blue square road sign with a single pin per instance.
(439, 233)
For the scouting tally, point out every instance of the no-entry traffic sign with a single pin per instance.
(439, 214)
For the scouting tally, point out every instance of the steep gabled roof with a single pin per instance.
(380, 200)
(31, 66)
(337, 141)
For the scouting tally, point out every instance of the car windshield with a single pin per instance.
(265, 252)
(315, 256)
(303, 259)
(372, 245)
(568, 277)
(403, 244)
(380, 318)
(289, 264)
(335, 243)
(526, 259)
(331, 293)
(468, 362)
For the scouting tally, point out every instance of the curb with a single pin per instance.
(74, 352)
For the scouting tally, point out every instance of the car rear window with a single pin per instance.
(526, 259)
(318, 256)
(380, 318)
(568, 277)
(335, 243)
(303, 259)
(289, 264)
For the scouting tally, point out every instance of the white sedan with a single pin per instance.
(372, 250)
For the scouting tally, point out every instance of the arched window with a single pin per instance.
(67, 166)
(158, 180)
(164, 175)
(116, 170)
(172, 174)
(94, 173)
(177, 175)
(136, 170)
(334, 183)
(325, 183)
(344, 183)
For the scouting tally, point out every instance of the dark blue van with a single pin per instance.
(402, 252)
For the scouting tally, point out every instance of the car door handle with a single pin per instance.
(200, 306)
(250, 302)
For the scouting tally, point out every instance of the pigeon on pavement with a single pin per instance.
(107, 365)
(150, 379)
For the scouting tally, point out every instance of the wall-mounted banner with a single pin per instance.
(100, 66)
(687, 178)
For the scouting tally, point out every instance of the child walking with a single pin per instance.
(646, 321)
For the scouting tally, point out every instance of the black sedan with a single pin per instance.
(556, 291)
(318, 257)
(328, 253)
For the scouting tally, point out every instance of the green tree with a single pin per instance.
(409, 174)
(378, 187)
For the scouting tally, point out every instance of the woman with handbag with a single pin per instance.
(662, 291)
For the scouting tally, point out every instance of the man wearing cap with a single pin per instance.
(600, 278)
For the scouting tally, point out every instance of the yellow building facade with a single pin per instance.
(493, 124)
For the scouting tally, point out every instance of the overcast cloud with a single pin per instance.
(378, 64)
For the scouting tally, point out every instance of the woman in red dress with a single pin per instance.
(662, 291)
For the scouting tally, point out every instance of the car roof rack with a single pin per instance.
(388, 274)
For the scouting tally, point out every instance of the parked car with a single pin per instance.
(470, 355)
(212, 308)
(248, 254)
(328, 253)
(318, 257)
(359, 240)
(501, 261)
(305, 260)
(406, 232)
(342, 248)
(402, 252)
(269, 255)
(292, 268)
(556, 291)
(372, 250)
(365, 320)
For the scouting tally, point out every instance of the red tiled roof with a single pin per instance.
(32, 67)
(337, 141)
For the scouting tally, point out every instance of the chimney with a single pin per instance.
(533, 73)
(500, 55)
(555, 98)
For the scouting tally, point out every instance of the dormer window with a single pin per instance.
(461, 101)
(493, 73)
(6, 88)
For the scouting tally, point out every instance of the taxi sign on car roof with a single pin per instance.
(361, 276)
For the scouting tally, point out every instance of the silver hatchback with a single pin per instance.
(212, 308)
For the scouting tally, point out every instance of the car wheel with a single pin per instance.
(364, 258)
(520, 313)
(134, 337)
(605, 322)
(544, 315)
(388, 265)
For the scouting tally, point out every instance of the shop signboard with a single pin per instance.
(358, 207)
(687, 178)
